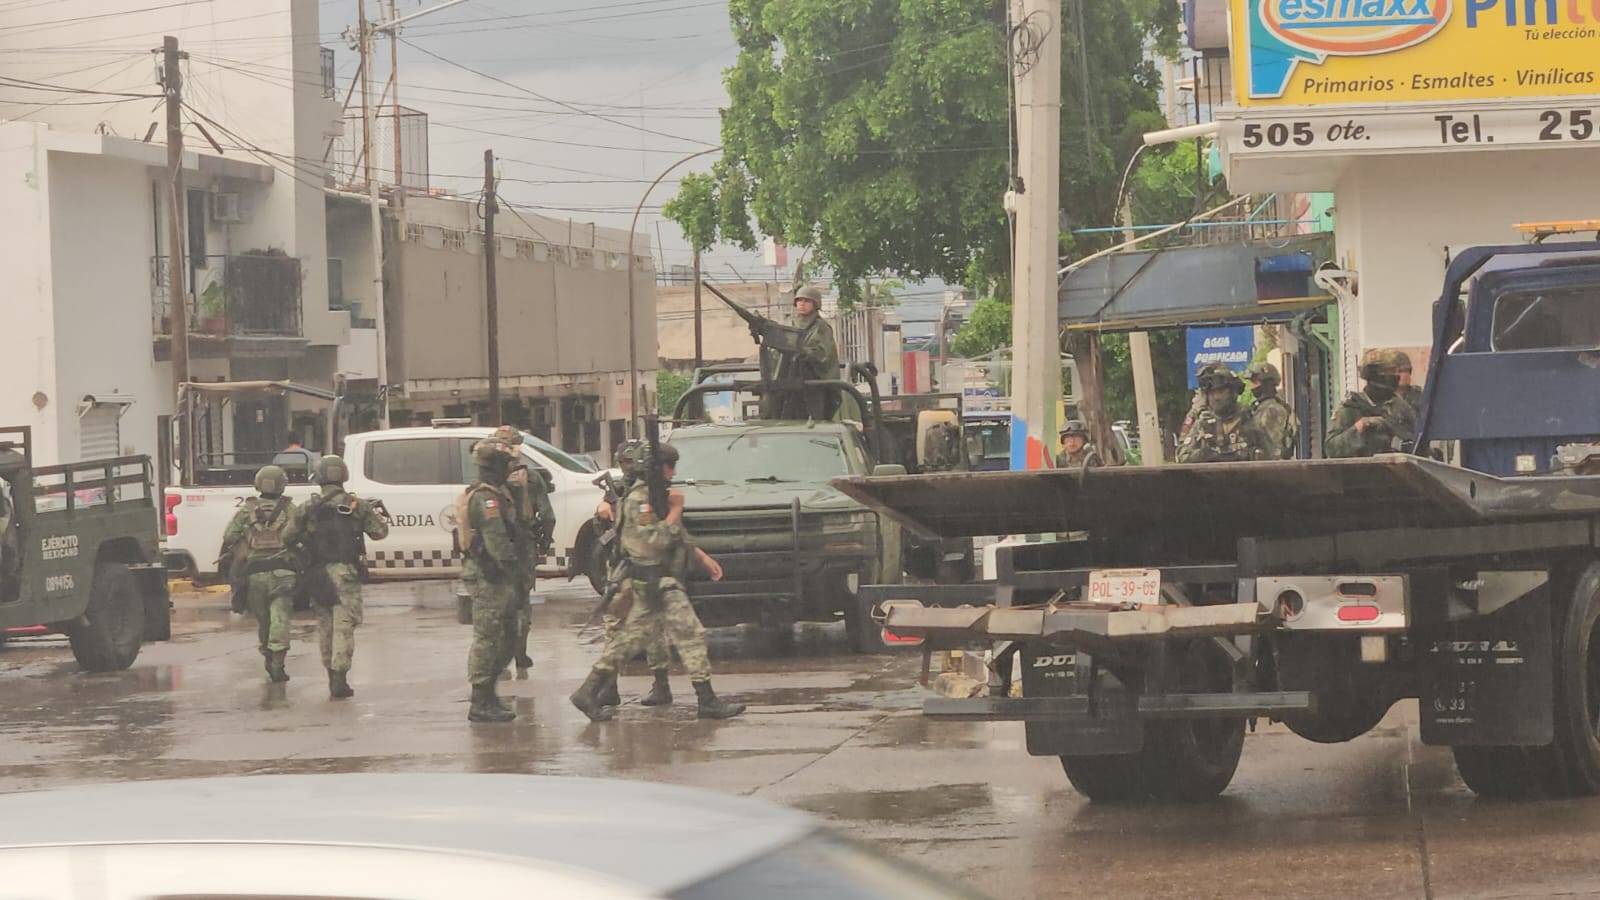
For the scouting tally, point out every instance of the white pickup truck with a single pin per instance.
(417, 473)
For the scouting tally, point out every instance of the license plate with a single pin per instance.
(1133, 587)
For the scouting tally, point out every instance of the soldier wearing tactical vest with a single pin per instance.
(1224, 431)
(489, 533)
(536, 519)
(258, 550)
(333, 526)
(1274, 417)
(629, 458)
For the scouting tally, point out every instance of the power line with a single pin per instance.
(52, 24)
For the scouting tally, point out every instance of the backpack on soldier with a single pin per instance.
(464, 535)
(335, 534)
(263, 535)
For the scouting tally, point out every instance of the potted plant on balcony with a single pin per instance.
(213, 310)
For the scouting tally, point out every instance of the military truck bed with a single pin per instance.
(1226, 501)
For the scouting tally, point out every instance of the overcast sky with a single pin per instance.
(636, 86)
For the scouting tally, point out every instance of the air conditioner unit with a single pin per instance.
(225, 207)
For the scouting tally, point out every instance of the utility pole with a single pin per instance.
(699, 346)
(1151, 450)
(177, 303)
(367, 127)
(394, 94)
(490, 251)
(1036, 324)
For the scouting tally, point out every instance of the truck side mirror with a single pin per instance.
(880, 471)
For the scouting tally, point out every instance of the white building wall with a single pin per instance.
(27, 368)
(1399, 217)
(103, 311)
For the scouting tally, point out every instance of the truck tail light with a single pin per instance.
(892, 638)
(170, 521)
(1359, 612)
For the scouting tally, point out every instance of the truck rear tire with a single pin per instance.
(1107, 779)
(1577, 695)
(109, 638)
(1189, 760)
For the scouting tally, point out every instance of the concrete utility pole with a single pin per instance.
(394, 95)
(490, 251)
(177, 303)
(368, 111)
(699, 337)
(1151, 450)
(1036, 323)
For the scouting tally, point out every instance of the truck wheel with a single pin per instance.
(1503, 773)
(1577, 695)
(109, 639)
(1194, 759)
(1106, 779)
(866, 635)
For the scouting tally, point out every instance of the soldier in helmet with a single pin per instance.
(659, 552)
(1273, 415)
(258, 549)
(629, 458)
(1076, 451)
(490, 535)
(537, 519)
(1223, 431)
(816, 360)
(1374, 419)
(1407, 391)
(333, 526)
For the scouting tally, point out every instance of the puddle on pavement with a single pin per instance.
(900, 806)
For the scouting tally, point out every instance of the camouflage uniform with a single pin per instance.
(1397, 419)
(1410, 393)
(816, 360)
(258, 546)
(332, 525)
(1087, 456)
(1276, 420)
(535, 521)
(494, 573)
(1225, 434)
(630, 459)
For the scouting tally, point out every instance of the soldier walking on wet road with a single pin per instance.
(1223, 431)
(333, 526)
(629, 459)
(1271, 414)
(493, 573)
(536, 521)
(658, 550)
(258, 553)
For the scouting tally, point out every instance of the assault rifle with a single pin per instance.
(770, 334)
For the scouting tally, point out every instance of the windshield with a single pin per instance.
(782, 456)
(1558, 318)
(991, 440)
(562, 458)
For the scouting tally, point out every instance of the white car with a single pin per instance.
(417, 473)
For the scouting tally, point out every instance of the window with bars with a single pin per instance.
(455, 239)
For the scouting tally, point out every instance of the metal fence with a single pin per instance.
(349, 168)
(243, 295)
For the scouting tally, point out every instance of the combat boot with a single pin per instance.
(339, 686)
(660, 692)
(587, 697)
(711, 707)
(524, 661)
(486, 706)
(607, 693)
(275, 671)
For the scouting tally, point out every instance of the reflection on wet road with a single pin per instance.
(836, 734)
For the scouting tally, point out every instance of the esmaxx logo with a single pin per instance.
(1353, 27)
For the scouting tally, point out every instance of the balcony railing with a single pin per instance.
(245, 295)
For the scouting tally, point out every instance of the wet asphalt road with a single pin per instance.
(836, 734)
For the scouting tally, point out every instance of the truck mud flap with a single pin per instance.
(1111, 726)
(1489, 681)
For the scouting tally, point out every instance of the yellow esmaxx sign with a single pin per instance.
(1363, 52)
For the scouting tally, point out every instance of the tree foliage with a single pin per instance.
(988, 327)
(1170, 184)
(876, 132)
(669, 387)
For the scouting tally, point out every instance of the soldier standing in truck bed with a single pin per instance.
(816, 360)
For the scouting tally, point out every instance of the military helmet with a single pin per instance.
(490, 451)
(271, 481)
(1217, 376)
(1264, 372)
(809, 292)
(1401, 360)
(1073, 426)
(508, 435)
(1381, 367)
(331, 470)
(667, 455)
(629, 457)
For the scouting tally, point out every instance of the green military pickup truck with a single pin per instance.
(79, 553)
(758, 497)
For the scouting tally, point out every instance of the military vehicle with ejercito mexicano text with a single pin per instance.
(79, 553)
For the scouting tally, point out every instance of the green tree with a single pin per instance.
(1169, 360)
(669, 387)
(1166, 186)
(877, 132)
(988, 327)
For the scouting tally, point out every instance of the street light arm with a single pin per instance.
(633, 341)
(396, 23)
